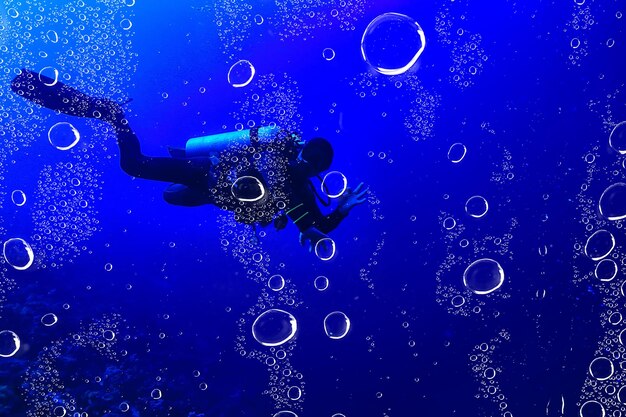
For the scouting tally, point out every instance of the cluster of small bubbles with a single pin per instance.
(381, 156)
(599, 204)
(486, 372)
(603, 375)
(365, 273)
(260, 197)
(273, 330)
(371, 343)
(420, 116)
(234, 19)
(607, 107)
(272, 100)
(505, 171)
(46, 394)
(273, 345)
(64, 211)
(445, 21)
(468, 58)
(466, 54)
(367, 84)
(597, 263)
(7, 283)
(102, 60)
(420, 120)
(453, 292)
(578, 27)
(300, 19)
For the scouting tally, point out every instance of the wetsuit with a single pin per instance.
(304, 211)
(193, 179)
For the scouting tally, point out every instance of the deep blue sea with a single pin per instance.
(482, 274)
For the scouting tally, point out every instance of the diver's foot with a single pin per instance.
(57, 96)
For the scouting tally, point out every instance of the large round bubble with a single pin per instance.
(612, 203)
(457, 152)
(321, 283)
(274, 327)
(621, 394)
(592, 409)
(49, 319)
(617, 139)
(49, 76)
(294, 393)
(325, 249)
(18, 197)
(59, 411)
(601, 368)
(599, 245)
(18, 253)
(476, 206)
(9, 343)
(241, 73)
(606, 270)
(63, 136)
(276, 282)
(334, 184)
(248, 189)
(483, 276)
(285, 414)
(392, 43)
(336, 325)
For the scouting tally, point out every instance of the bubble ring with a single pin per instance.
(394, 71)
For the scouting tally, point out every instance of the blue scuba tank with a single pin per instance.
(206, 146)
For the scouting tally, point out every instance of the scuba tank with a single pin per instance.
(206, 146)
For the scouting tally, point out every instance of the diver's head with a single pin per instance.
(318, 155)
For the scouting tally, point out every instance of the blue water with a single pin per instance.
(154, 304)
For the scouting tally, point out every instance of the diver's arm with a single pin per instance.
(328, 223)
(307, 215)
(349, 200)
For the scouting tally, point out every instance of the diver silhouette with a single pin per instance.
(194, 172)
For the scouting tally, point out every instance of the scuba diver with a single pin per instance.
(225, 170)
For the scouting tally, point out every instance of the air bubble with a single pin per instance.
(392, 43)
(336, 325)
(241, 73)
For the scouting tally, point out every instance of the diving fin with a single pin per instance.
(54, 95)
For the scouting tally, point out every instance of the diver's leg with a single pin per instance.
(181, 195)
(193, 173)
(63, 98)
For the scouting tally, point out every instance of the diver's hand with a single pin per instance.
(311, 236)
(351, 198)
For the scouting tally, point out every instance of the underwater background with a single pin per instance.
(484, 276)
